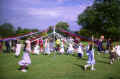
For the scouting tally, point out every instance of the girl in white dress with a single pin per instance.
(117, 48)
(37, 48)
(62, 48)
(70, 49)
(47, 47)
(26, 57)
(18, 49)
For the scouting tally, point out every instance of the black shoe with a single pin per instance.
(19, 68)
(16, 56)
(26, 68)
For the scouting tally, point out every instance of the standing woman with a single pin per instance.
(26, 57)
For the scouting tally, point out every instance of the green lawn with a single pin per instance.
(58, 67)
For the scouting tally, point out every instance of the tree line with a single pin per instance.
(8, 30)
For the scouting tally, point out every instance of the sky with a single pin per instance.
(41, 14)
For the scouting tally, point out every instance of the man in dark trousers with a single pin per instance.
(7, 44)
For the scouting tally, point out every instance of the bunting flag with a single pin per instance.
(78, 36)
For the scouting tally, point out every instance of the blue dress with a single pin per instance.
(91, 59)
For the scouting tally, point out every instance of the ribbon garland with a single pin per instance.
(18, 37)
(61, 30)
(75, 35)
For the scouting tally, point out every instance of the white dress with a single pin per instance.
(70, 48)
(36, 49)
(47, 47)
(18, 49)
(26, 57)
(62, 48)
(80, 50)
(117, 50)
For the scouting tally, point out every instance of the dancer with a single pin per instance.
(70, 49)
(117, 47)
(100, 46)
(36, 48)
(18, 49)
(57, 44)
(26, 61)
(91, 59)
(80, 50)
(7, 44)
(41, 45)
(62, 47)
(51, 45)
(108, 45)
(47, 47)
(112, 54)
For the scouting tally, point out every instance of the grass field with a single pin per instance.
(58, 67)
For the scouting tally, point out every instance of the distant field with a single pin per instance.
(58, 67)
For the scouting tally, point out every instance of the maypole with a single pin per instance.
(93, 46)
(93, 41)
(54, 40)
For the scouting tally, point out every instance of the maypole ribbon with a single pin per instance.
(18, 37)
(75, 35)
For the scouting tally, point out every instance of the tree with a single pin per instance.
(84, 32)
(35, 30)
(102, 18)
(7, 30)
(19, 30)
(50, 29)
(62, 25)
(25, 30)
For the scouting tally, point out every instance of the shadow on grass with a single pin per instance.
(81, 66)
(114, 77)
(106, 57)
(110, 78)
(84, 59)
(74, 55)
(100, 61)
